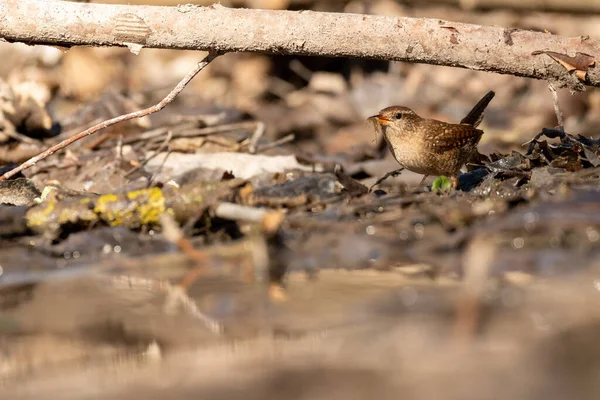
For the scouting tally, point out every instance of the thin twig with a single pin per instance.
(162, 164)
(278, 142)
(137, 114)
(156, 133)
(188, 131)
(19, 136)
(177, 297)
(393, 173)
(173, 234)
(559, 115)
(238, 212)
(163, 146)
(211, 130)
(119, 150)
(71, 132)
(258, 132)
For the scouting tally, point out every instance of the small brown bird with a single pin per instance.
(429, 146)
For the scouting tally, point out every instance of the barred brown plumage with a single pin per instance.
(429, 146)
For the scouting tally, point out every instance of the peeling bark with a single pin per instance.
(422, 40)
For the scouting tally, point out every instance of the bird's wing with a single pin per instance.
(451, 136)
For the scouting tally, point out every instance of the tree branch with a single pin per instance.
(431, 41)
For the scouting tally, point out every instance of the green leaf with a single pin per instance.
(441, 184)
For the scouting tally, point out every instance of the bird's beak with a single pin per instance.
(379, 119)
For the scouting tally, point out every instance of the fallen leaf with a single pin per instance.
(580, 63)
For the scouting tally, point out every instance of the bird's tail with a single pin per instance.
(475, 116)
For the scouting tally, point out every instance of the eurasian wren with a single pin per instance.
(429, 146)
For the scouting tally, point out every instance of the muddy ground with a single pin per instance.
(232, 245)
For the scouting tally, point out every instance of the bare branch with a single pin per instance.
(431, 41)
(105, 124)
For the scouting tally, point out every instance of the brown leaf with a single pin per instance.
(580, 63)
(582, 75)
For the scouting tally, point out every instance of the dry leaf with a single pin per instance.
(581, 75)
(580, 63)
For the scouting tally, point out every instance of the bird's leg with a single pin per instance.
(421, 183)
(394, 174)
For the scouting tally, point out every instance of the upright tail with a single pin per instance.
(475, 116)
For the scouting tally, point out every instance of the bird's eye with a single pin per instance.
(398, 116)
